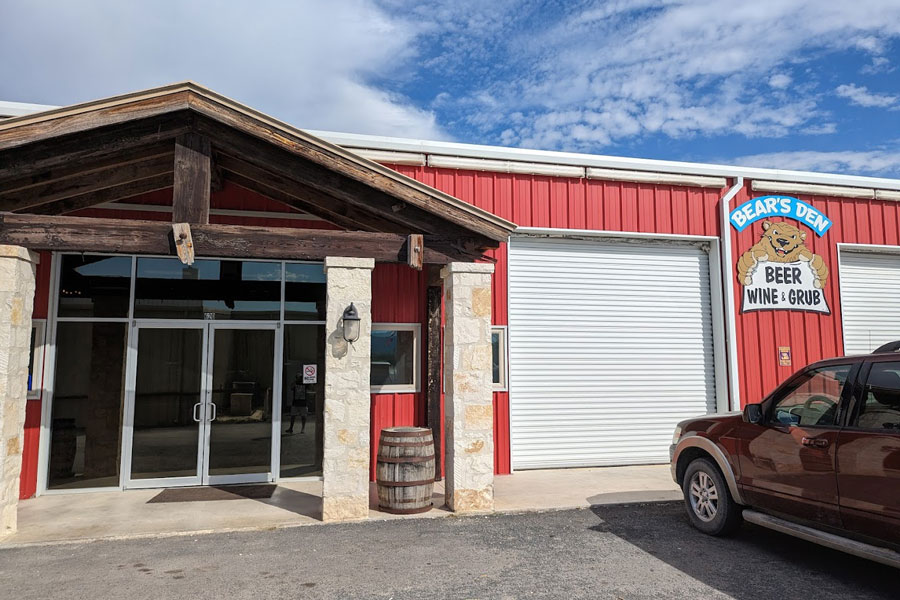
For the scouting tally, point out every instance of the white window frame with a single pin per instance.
(503, 384)
(37, 352)
(394, 388)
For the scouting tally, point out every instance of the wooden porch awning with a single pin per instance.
(190, 139)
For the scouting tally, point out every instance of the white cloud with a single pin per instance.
(780, 81)
(875, 162)
(315, 64)
(681, 68)
(861, 96)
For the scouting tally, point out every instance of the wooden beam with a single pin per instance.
(100, 144)
(193, 179)
(300, 196)
(91, 181)
(83, 167)
(84, 234)
(267, 156)
(433, 299)
(121, 192)
(349, 168)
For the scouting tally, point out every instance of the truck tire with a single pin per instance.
(709, 504)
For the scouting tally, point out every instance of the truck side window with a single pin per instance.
(814, 399)
(880, 409)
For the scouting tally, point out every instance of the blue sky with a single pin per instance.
(795, 84)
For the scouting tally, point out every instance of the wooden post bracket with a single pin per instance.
(415, 251)
(184, 245)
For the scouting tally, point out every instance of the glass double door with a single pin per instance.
(200, 404)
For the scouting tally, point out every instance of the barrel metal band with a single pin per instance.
(388, 433)
(406, 511)
(405, 459)
(404, 483)
(407, 444)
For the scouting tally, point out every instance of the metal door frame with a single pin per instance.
(206, 409)
(209, 357)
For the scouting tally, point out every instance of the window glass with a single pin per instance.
(36, 359)
(302, 401)
(498, 357)
(86, 421)
(209, 289)
(393, 358)
(94, 286)
(815, 399)
(880, 409)
(304, 292)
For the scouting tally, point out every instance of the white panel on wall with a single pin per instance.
(870, 300)
(611, 345)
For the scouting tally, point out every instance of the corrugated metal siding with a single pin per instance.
(870, 292)
(540, 201)
(32, 434)
(811, 336)
(611, 345)
(398, 296)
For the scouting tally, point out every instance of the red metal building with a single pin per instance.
(657, 233)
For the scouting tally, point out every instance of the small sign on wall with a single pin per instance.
(310, 373)
(784, 356)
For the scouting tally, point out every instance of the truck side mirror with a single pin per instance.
(753, 413)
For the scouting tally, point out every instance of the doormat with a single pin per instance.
(211, 493)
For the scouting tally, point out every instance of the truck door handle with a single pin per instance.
(814, 442)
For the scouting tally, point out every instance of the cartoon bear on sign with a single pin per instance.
(782, 243)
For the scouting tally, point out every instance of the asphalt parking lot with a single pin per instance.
(626, 551)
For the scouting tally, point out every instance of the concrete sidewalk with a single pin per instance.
(113, 515)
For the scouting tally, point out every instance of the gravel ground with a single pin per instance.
(628, 551)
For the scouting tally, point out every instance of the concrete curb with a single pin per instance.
(437, 513)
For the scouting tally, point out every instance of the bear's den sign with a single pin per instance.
(780, 273)
(779, 206)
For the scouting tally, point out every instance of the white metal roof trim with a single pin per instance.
(658, 178)
(817, 190)
(351, 140)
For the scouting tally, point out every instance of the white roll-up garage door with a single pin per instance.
(870, 300)
(611, 344)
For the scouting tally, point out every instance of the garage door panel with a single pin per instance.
(870, 300)
(611, 345)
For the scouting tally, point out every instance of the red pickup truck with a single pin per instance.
(818, 458)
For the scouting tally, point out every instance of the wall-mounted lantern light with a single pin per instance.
(351, 324)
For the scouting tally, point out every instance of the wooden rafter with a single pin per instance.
(99, 144)
(92, 181)
(303, 197)
(121, 192)
(364, 198)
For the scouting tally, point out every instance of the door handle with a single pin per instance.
(196, 415)
(814, 442)
(215, 412)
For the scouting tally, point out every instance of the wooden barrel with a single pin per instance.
(405, 470)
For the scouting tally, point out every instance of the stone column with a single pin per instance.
(468, 393)
(345, 462)
(16, 299)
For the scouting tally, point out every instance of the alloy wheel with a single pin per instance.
(704, 496)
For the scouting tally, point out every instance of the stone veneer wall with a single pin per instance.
(345, 464)
(468, 394)
(17, 268)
